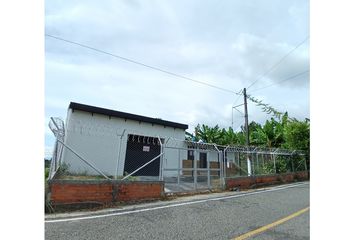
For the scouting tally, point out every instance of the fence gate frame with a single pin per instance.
(189, 174)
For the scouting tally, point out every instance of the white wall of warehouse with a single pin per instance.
(97, 138)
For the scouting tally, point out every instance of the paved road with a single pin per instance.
(225, 217)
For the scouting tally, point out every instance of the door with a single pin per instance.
(203, 160)
(140, 150)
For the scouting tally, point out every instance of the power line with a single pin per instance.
(240, 94)
(141, 64)
(279, 62)
(286, 79)
(239, 111)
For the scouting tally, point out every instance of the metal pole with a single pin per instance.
(305, 162)
(249, 170)
(224, 162)
(239, 162)
(120, 145)
(273, 155)
(96, 169)
(56, 125)
(208, 167)
(257, 162)
(179, 166)
(254, 152)
(292, 161)
(142, 166)
(162, 149)
(195, 169)
(57, 145)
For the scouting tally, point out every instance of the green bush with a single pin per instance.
(46, 173)
(268, 168)
(281, 165)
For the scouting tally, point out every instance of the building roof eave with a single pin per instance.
(124, 115)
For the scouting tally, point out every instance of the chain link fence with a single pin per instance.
(190, 166)
(243, 161)
(143, 157)
(183, 165)
(57, 126)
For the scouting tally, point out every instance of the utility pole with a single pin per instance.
(247, 133)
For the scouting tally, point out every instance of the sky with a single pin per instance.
(196, 39)
(230, 44)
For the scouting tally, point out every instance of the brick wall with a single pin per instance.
(132, 191)
(257, 181)
(103, 191)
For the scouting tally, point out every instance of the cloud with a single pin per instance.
(258, 55)
(227, 44)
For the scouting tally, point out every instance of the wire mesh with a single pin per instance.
(190, 166)
(263, 161)
(143, 157)
(57, 126)
(183, 165)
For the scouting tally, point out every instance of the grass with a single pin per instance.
(64, 173)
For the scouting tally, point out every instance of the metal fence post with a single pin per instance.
(292, 162)
(221, 167)
(254, 163)
(208, 167)
(195, 169)
(88, 163)
(257, 163)
(161, 158)
(224, 162)
(120, 146)
(239, 162)
(179, 167)
(130, 174)
(274, 158)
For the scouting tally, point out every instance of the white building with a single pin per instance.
(115, 142)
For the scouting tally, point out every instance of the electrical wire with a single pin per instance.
(284, 80)
(279, 62)
(240, 94)
(141, 64)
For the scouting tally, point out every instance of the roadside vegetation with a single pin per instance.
(278, 132)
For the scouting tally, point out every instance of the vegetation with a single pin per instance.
(46, 173)
(280, 132)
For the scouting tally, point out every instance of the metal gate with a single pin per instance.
(191, 166)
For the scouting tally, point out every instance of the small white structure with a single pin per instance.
(115, 142)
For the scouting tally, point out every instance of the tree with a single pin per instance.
(230, 137)
(257, 135)
(287, 133)
(272, 133)
(297, 135)
(208, 134)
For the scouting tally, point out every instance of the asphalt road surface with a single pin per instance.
(213, 216)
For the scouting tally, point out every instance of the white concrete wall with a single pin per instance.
(97, 139)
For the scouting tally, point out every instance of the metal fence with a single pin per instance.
(189, 166)
(143, 157)
(243, 161)
(56, 125)
(182, 165)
